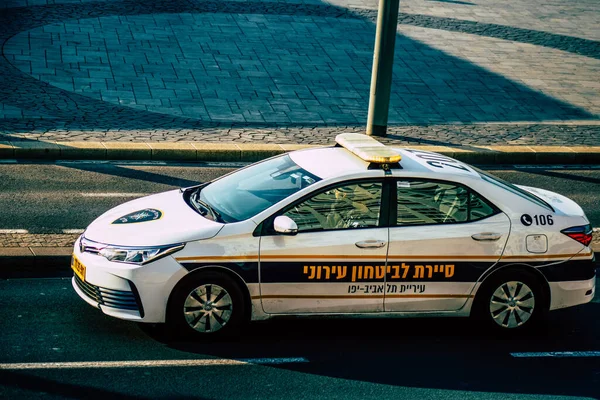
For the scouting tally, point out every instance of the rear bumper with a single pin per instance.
(571, 283)
(571, 293)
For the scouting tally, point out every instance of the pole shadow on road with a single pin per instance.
(113, 168)
(130, 173)
(560, 174)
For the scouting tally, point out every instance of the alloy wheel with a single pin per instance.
(208, 308)
(512, 304)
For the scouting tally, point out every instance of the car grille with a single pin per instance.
(121, 299)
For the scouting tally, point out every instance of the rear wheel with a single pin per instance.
(207, 305)
(510, 301)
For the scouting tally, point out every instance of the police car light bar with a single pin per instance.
(367, 148)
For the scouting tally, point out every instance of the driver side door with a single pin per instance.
(336, 261)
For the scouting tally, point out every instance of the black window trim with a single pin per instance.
(264, 228)
(393, 223)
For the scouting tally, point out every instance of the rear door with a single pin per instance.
(336, 261)
(445, 236)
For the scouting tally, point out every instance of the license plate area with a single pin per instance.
(78, 268)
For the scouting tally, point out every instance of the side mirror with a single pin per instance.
(285, 225)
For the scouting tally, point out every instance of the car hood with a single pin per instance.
(160, 219)
(559, 202)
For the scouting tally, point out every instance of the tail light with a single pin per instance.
(583, 234)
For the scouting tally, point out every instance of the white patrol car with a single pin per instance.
(359, 228)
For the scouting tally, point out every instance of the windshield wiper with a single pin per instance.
(214, 214)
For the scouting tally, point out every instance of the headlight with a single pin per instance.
(137, 255)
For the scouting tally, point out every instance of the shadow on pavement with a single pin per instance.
(116, 170)
(560, 174)
(40, 387)
(436, 353)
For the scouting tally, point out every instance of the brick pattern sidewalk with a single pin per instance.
(37, 240)
(296, 72)
(434, 135)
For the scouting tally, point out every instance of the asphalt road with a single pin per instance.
(43, 320)
(69, 195)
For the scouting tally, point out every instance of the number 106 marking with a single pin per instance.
(543, 219)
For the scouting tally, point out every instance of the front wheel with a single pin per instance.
(510, 301)
(207, 305)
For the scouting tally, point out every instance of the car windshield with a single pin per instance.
(249, 191)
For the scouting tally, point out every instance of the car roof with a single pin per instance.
(331, 162)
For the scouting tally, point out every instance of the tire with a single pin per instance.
(207, 305)
(511, 301)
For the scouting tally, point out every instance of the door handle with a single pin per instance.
(370, 244)
(486, 236)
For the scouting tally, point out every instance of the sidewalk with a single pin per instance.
(298, 72)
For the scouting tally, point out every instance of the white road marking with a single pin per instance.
(152, 363)
(71, 231)
(541, 166)
(114, 194)
(224, 164)
(271, 361)
(25, 231)
(524, 167)
(113, 162)
(149, 163)
(558, 354)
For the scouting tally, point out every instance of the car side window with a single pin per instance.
(425, 202)
(479, 208)
(342, 207)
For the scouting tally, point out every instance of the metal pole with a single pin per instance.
(383, 62)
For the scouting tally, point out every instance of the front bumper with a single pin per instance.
(127, 301)
(127, 291)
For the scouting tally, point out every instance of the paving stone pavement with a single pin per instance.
(466, 72)
(37, 240)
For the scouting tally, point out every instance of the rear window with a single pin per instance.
(512, 188)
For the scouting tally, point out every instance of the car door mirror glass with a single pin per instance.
(285, 225)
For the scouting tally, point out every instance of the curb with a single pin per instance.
(247, 152)
(35, 262)
(56, 263)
